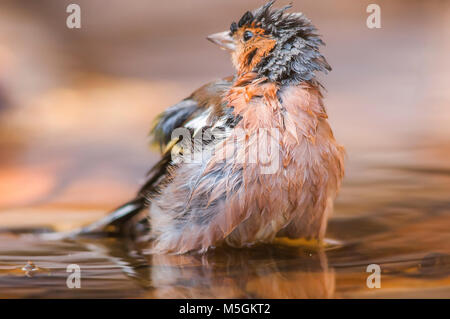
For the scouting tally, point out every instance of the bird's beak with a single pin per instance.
(223, 39)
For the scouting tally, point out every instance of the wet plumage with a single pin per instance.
(225, 198)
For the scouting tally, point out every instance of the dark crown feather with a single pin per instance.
(296, 56)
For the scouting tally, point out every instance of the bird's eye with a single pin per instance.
(248, 35)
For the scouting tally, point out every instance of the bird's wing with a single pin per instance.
(190, 113)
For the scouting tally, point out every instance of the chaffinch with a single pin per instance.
(272, 106)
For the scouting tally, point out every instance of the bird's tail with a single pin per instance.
(125, 220)
(116, 223)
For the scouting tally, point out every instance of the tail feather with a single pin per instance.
(115, 221)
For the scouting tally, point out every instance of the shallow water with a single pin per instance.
(402, 225)
(76, 108)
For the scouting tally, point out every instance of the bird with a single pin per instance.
(229, 196)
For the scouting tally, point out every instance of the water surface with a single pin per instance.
(402, 225)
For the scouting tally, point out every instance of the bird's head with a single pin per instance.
(281, 46)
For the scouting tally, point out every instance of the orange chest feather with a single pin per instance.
(294, 111)
(308, 161)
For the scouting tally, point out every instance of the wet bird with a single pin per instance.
(230, 196)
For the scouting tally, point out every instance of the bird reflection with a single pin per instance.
(268, 271)
(262, 272)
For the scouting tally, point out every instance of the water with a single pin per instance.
(396, 217)
(76, 114)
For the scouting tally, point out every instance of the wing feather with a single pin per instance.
(189, 113)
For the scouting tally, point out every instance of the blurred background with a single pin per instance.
(76, 105)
